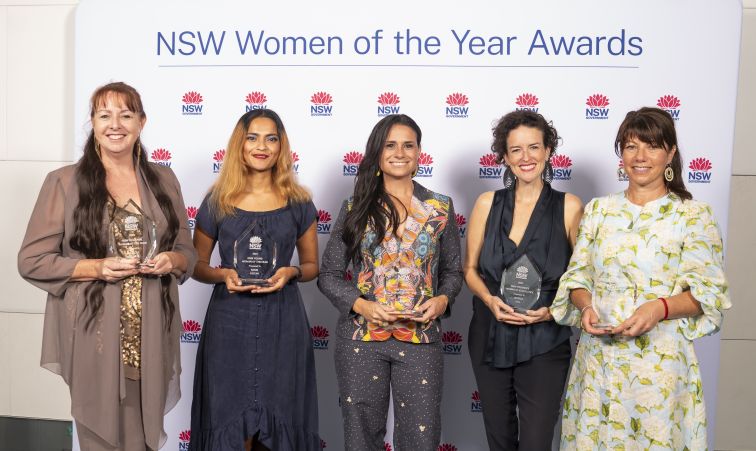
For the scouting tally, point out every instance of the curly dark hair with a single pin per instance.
(515, 119)
(656, 127)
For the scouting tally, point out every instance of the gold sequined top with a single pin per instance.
(131, 293)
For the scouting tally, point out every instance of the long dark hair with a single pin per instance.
(88, 237)
(655, 127)
(371, 204)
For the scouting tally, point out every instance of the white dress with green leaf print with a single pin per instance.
(645, 392)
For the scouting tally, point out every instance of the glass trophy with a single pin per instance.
(609, 302)
(521, 285)
(404, 293)
(255, 254)
(132, 234)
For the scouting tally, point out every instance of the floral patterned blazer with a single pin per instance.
(400, 271)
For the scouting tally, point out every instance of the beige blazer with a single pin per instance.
(89, 360)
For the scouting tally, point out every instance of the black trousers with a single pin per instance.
(521, 404)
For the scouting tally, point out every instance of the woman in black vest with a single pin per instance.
(523, 232)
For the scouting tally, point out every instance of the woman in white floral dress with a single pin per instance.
(645, 279)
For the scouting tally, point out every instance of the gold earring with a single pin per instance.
(139, 150)
(378, 173)
(97, 149)
(669, 174)
(414, 173)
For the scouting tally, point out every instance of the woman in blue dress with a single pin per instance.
(254, 382)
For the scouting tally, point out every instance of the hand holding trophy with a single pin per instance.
(132, 234)
(255, 254)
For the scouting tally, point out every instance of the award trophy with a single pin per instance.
(132, 234)
(255, 255)
(521, 285)
(606, 297)
(405, 294)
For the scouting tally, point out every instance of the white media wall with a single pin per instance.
(332, 69)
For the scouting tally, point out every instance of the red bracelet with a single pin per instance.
(666, 309)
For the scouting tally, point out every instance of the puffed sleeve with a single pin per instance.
(40, 259)
(701, 270)
(331, 281)
(449, 261)
(183, 243)
(579, 272)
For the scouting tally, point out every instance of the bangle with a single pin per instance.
(582, 310)
(666, 309)
(299, 272)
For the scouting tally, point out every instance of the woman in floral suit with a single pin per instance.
(645, 279)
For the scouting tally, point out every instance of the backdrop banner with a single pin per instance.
(333, 69)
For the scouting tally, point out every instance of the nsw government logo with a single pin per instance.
(446, 447)
(295, 162)
(192, 331)
(388, 104)
(699, 171)
(319, 337)
(387, 446)
(424, 165)
(324, 222)
(476, 405)
(161, 157)
(597, 107)
(192, 104)
(321, 104)
(457, 105)
(461, 224)
(561, 165)
(255, 101)
(218, 157)
(184, 437)
(527, 102)
(488, 167)
(670, 104)
(452, 342)
(191, 213)
(352, 162)
(621, 174)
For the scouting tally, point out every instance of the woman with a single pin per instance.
(112, 323)
(520, 357)
(650, 260)
(254, 382)
(403, 242)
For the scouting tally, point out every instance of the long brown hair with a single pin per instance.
(88, 237)
(655, 127)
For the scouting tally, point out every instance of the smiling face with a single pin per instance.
(400, 152)
(262, 145)
(645, 163)
(116, 128)
(526, 153)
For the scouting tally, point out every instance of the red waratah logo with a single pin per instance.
(294, 157)
(388, 98)
(324, 216)
(192, 97)
(256, 98)
(668, 102)
(191, 212)
(219, 155)
(561, 161)
(185, 436)
(191, 325)
(475, 396)
(526, 100)
(461, 221)
(447, 447)
(321, 98)
(597, 101)
(700, 164)
(424, 159)
(457, 99)
(451, 337)
(386, 446)
(353, 157)
(323, 444)
(488, 160)
(161, 157)
(319, 332)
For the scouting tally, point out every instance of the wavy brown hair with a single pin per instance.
(233, 174)
(88, 237)
(654, 127)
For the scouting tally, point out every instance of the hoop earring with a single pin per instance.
(669, 174)
(97, 149)
(378, 173)
(509, 178)
(548, 173)
(414, 173)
